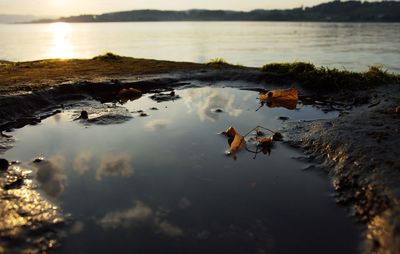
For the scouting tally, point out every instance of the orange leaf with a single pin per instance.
(265, 141)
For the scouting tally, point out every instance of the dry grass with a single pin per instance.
(28, 76)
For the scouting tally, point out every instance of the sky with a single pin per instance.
(75, 7)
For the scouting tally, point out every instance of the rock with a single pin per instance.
(84, 115)
(4, 164)
(38, 159)
(153, 108)
(283, 118)
(143, 114)
(218, 110)
(14, 185)
(129, 94)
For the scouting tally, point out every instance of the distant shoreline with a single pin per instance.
(335, 11)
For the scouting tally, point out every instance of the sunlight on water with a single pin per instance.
(353, 46)
(61, 46)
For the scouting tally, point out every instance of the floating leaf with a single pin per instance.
(230, 132)
(282, 94)
(260, 133)
(265, 141)
(238, 141)
(286, 98)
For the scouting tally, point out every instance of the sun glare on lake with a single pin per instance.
(60, 46)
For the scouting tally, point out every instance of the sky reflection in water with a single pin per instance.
(163, 184)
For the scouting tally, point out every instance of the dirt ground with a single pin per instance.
(359, 149)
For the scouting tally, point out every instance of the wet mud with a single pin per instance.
(358, 149)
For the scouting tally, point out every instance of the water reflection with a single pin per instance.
(51, 175)
(82, 162)
(209, 101)
(114, 165)
(190, 198)
(25, 216)
(141, 215)
(61, 46)
(157, 124)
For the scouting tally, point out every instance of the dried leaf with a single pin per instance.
(260, 133)
(277, 136)
(283, 94)
(286, 98)
(230, 132)
(265, 141)
(238, 141)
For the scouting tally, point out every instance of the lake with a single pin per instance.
(353, 46)
(163, 183)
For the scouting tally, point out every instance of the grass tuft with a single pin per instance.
(109, 56)
(217, 61)
(316, 77)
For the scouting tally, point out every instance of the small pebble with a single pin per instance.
(84, 115)
(283, 118)
(38, 159)
(218, 110)
(143, 114)
(153, 108)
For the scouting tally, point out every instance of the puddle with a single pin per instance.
(163, 184)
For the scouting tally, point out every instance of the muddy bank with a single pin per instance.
(360, 151)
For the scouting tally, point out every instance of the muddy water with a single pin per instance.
(163, 183)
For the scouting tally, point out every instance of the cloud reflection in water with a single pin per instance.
(114, 165)
(82, 161)
(141, 215)
(157, 124)
(51, 175)
(206, 100)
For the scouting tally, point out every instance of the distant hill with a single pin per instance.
(343, 11)
(7, 18)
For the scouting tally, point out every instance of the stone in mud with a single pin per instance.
(160, 97)
(283, 118)
(84, 115)
(143, 114)
(4, 164)
(218, 110)
(38, 159)
(129, 94)
(153, 108)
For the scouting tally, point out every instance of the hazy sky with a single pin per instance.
(72, 7)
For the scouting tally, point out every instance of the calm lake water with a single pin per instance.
(163, 183)
(354, 46)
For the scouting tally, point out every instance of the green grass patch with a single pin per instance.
(317, 77)
(218, 61)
